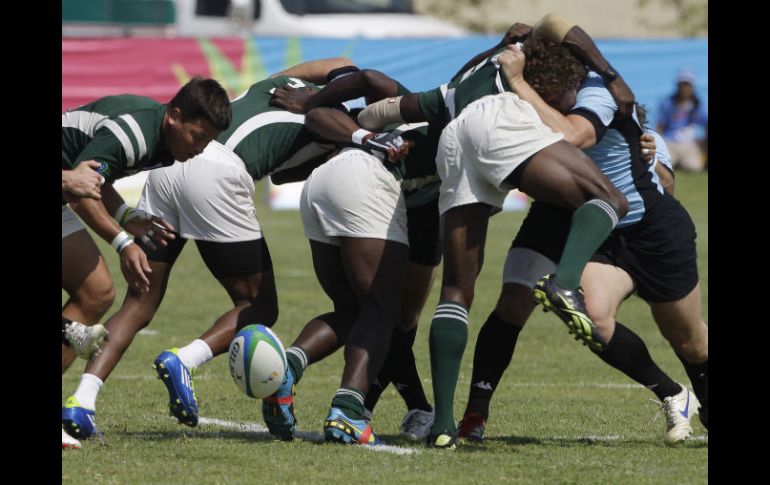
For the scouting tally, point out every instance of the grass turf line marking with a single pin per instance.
(315, 437)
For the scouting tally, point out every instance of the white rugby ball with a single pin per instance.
(257, 361)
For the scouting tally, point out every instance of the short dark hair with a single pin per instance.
(204, 98)
(550, 68)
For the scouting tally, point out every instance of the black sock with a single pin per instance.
(492, 355)
(376, 388)
(64, 323)
(406, 379)
(627, 353)
(699, 378)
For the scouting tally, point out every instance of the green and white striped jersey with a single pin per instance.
(446, 102)
(270, 139)
(122, 132)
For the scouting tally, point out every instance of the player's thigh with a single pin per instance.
(680, 319)
(83, 267)
(244, 268)
(331, 274)
(375, 267)
(561, 174)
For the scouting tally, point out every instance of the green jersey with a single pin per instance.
(446, 102)
(269, 139)
(417, 172)
(122, 132)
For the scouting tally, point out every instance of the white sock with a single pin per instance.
(87, 390)
(195, 354)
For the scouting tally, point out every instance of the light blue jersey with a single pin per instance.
(617, 152)
(662, 156)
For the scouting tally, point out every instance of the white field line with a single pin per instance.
(315, 437)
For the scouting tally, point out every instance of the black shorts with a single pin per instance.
(658, 252)
(544, 230)
(424, 238)
(223, 259)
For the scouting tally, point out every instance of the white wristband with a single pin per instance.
(122, 240)
(121, 213)
(358, 136)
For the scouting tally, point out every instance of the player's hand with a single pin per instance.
(647, 147)
(84, 180)
(622, 95)
(150, 229)
(135, 268)
(388, 145)
(512, 61)
(291, 99)
(517, 32)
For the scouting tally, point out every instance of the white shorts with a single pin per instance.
(353, 195)
(207, 198)
(70, 223)
(484, 145)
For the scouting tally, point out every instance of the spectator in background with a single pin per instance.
(684, 124)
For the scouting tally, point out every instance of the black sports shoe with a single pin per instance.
(472, 427)
(570, 307)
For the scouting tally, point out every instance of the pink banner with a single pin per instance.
(93, 68)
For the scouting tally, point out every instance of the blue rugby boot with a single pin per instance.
(78, 421)
(181, 390)
(570, 307)
(339, 428)
(278, 409)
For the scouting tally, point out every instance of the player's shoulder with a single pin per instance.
(125, 103)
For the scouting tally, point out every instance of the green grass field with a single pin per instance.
(560, 415)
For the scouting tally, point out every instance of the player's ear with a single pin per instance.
(174, 116)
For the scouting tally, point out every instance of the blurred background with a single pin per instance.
(152, 47)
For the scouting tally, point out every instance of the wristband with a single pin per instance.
(123, 211)
(120, 242)
(358, 136)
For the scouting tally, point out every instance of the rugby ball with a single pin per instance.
(257, 361)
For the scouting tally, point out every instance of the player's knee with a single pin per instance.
(460, 294)
(619, 203)
(515, 306)
(97, 299)
(689, 348)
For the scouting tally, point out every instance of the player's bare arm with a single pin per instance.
(315, 71)
(367, 83)
(150, 229)
(577, 130)
(334, 125)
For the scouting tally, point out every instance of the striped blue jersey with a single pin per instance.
(617, 150)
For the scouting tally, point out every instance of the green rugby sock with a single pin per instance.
(591, 224)
(297, 360)
(448, 337)
(350, 401)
